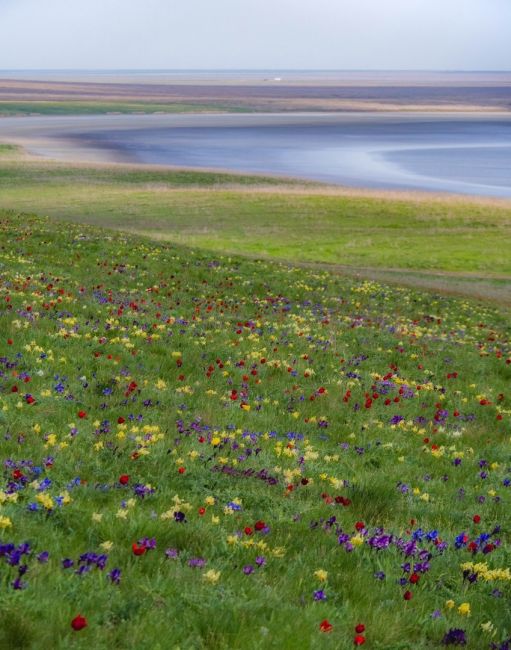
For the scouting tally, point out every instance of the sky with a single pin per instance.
(256, 34)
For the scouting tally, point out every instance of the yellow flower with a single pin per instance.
(449, 604)
(464, 609)
(97, 517)
(45, 500)
(211, 576)
(107, 546)
(209, 501)
(65, 498)
(5, 522)
(321, 575)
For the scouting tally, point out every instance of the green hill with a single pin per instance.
(204, 451)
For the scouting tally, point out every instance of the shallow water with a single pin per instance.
(460, 153)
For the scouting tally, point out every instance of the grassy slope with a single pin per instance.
(242, 214)
(89, 312)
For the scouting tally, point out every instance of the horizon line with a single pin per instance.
(448, 70)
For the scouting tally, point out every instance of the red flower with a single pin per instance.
(359, 640)
(138, 550)
(120, 420)
(82, 414)
(124, 479)
(360, 525)
(30, 399)
(10, 341)
(78, 623)
(202, 511)
(476, 519)
(407, 595)
(248, 530)
(414, 578)
(259, 525)
(360, 628)
(181, 470)
(325, 626)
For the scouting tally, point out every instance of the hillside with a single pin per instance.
(206, 451)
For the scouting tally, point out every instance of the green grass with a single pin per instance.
(8, 149)
(466, 241)
(8, 108)
(131, 333)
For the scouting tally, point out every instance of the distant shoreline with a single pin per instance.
(261, 91)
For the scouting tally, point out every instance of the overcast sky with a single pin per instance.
(206, 34)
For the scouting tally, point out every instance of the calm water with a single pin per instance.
(460, 153)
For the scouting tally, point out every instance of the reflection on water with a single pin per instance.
(461, 153)
(467, 156)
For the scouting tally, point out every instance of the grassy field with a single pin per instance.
(459, 245)
(11, 108)
(206, 451)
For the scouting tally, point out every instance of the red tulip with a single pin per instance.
(326, 626)
(78, 623)
(124, 479)
(138, 550)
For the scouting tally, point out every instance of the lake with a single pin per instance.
(461, 153)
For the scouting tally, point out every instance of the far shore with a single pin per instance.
(260, 91)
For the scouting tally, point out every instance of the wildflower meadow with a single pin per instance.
(205, 451)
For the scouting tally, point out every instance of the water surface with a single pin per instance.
(460, 153)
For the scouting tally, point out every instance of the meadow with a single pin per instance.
(205, 447)
(202, 450)
(456, 245)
